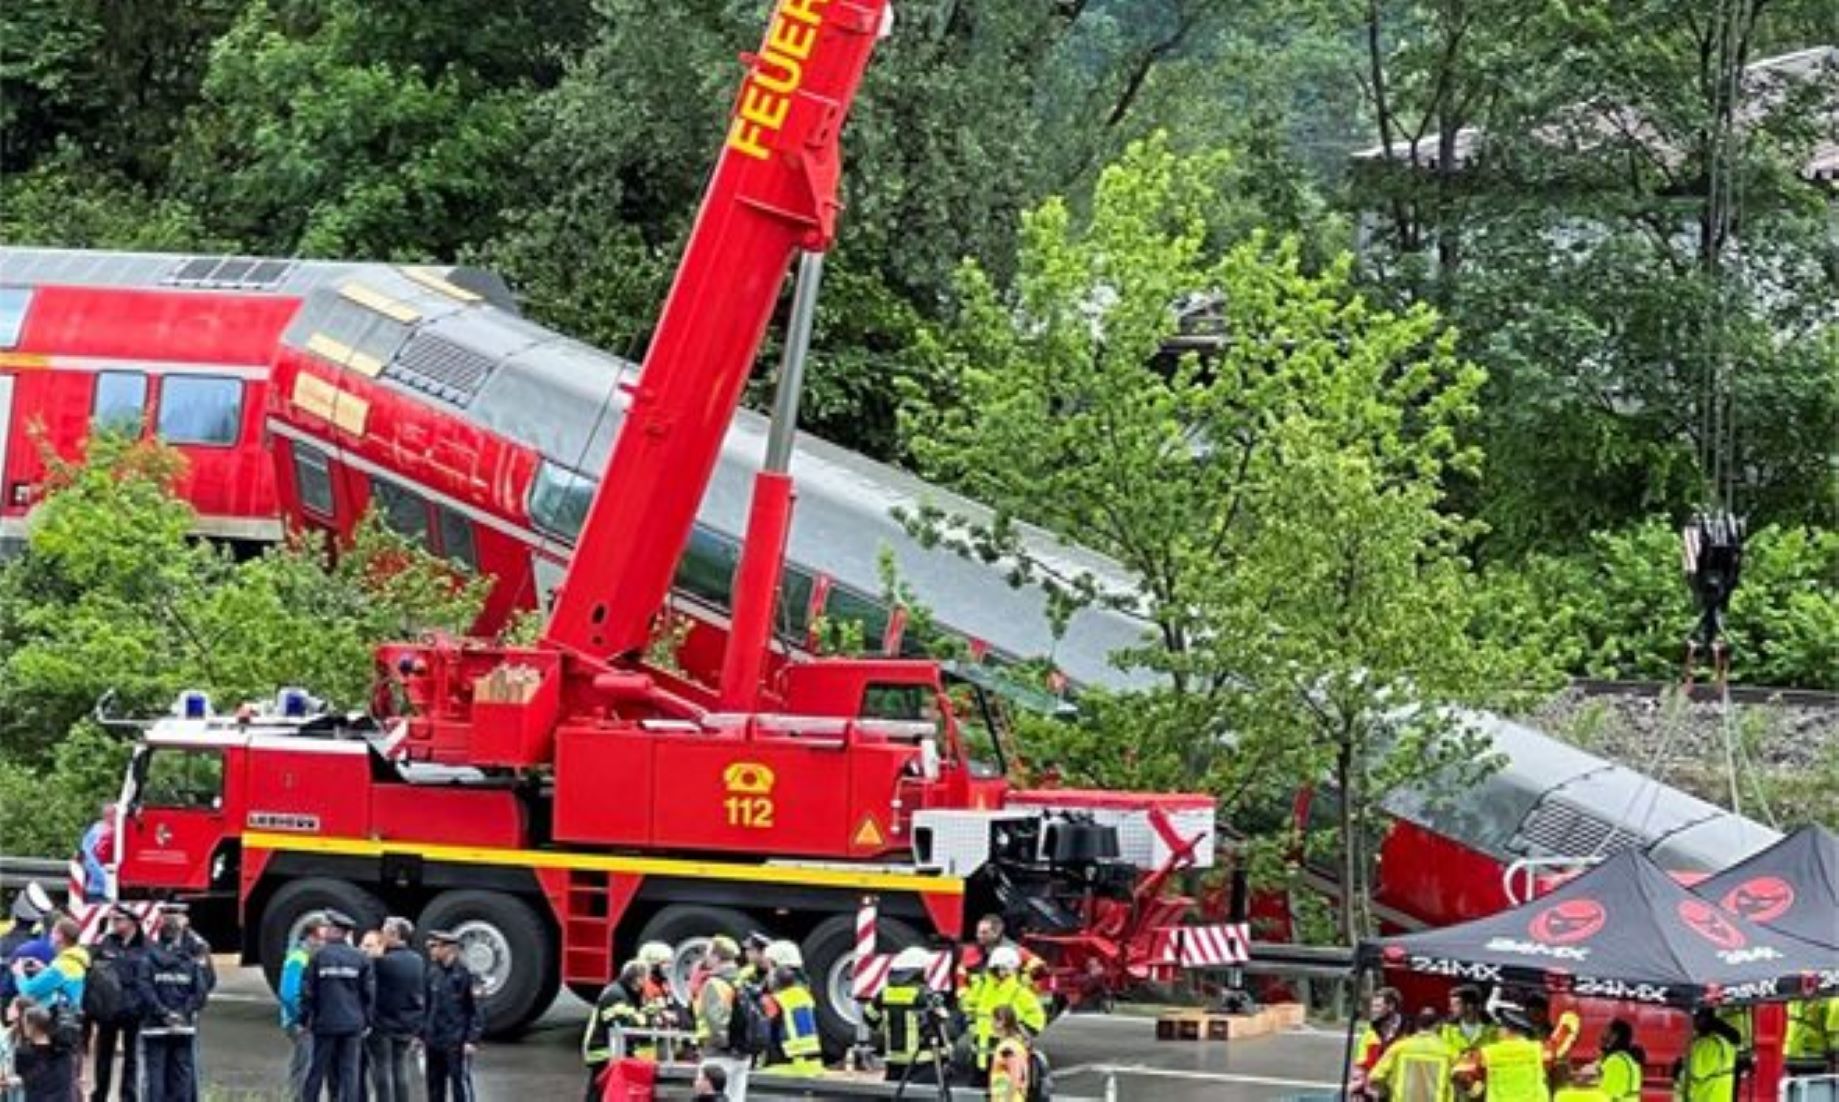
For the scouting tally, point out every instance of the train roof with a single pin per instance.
(25, 266)
(1551, 799)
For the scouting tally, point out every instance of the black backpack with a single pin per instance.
(750, 1032)
(104, 999)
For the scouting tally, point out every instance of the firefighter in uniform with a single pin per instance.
(797, 1048)
(621, 1007)
(1709, 1071)
(1511, 1068)
(170, 989)
(662, 1010)
(338, 993)
(1002, 985)
(1416, 1068)
(451, 1035)
(898, 1017)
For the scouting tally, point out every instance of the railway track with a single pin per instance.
(1707, 693)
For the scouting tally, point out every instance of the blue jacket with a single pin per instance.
(293, 972)
(453, 1008)
(169, 989)
(338, 992)
(95, 867)
(61, 981)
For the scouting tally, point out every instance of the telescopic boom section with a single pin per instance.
(774, 192)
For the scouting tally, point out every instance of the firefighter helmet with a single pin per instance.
(655, 954)
(784, 954)
(911, 959)
(1005, 959)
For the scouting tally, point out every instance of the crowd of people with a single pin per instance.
(751, 1010)
(119, 1019)
(1518, 1053)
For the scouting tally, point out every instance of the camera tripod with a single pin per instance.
(934, 1045)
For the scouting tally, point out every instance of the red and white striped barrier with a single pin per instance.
(872, 968)
(94, 917)
(1217, 946)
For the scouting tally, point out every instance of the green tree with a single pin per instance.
(1279, 497)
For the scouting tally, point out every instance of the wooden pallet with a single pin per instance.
(1200, 1025)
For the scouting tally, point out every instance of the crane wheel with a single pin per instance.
(510, 950)
(283, 920)
(830, 956)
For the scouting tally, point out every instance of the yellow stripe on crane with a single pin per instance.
(593, 862)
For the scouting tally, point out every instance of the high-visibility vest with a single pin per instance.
(1620, 1080)
(1012, 992)
(1739, 1019)
(800, 1042)
(1710, 1070)
(1459, 1043)
(1009, 1072)
(1416, 1069)
(1809, 1022)
(898, 1012)
(1514, 1070)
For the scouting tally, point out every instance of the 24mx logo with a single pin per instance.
(1457, 969)
(1589, 987)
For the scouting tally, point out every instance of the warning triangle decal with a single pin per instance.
(868, 835)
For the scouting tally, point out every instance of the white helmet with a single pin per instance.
(912, 959)
(655, 954)
(784, 954)
(1006, 958)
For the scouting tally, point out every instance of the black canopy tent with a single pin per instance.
(1623, 930)
(1793, 887)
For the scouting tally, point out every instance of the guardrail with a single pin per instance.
(17, 872)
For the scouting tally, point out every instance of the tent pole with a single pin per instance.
(1353, 1024)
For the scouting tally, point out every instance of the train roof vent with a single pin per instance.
(1562, 829)
(437, 366)
(240, 273)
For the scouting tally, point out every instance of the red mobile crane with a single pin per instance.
(558, 804)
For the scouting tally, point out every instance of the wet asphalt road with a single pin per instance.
(245, 1058)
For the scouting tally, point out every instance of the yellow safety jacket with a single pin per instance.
(1710, 1070)
(1513, 1070)
(1416, 1069)
(1738, 1018)
(1010, 991)
(1458, 1043)
(1009, 1072)
(607, 1022)
(798, 1038)
(1811, 1024)
(1620, 1080)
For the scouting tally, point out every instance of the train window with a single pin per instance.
(845, 607)
(456, 537)
(559, 500)
(121, 401)
(200, 409)
(795, 586)
(13, 304)
(404, 512)
(313, 474)
(707, 569)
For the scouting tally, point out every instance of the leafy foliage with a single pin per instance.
(1279, 494)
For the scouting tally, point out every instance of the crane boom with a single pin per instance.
(773, 192)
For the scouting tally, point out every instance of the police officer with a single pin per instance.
(797, 1048)
(899, 1017)
(169, 992)
(338, 994)
(451, 1034)
(199, 948)
(620, 1007)
(122, 950)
